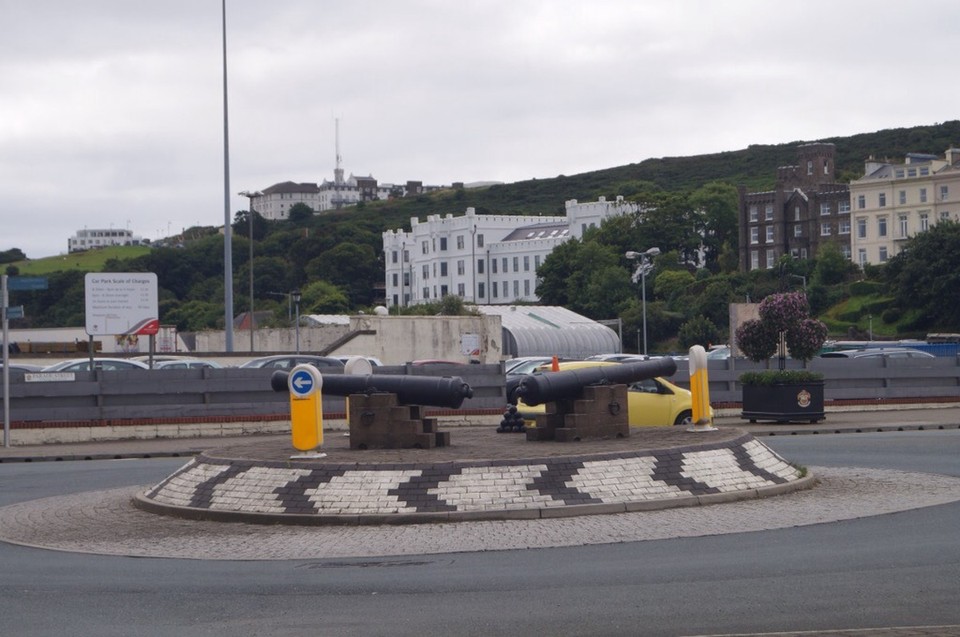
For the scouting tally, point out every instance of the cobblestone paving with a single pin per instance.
(78, 522)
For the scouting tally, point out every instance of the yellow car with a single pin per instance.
(653, 402)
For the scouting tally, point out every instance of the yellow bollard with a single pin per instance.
(306, 407)
(700, 390)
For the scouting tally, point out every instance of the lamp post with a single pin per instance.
(296, 301)
(643, 265)
(251, 196)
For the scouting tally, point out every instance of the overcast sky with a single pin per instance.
(111, 111)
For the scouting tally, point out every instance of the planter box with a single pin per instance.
(784, 402)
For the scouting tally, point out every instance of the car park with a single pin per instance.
(654, 402)
(879, 352)
(289, 361)
(104, 364)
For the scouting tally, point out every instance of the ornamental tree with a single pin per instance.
(784, 323)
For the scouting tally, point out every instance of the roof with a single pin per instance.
(326, 319)
(539, 231)
(542, 330)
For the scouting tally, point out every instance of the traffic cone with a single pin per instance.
(555, 364)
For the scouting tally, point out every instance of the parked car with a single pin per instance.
(525, 364)
(654, 402)
(878, 352)
(373, 360)
(22, 368)
(105, 364)
(618, 358)
(431, 362)
(187, 363)
(289, 361)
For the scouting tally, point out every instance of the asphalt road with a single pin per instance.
(895, 570)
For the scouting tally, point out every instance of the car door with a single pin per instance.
(649, 405)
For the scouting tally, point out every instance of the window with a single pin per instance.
(882, 200)
(844, 250)
(393, 256)
(924, 221)
(769, 237)
(526, 263)
(443, 268)
(396, 280)
(824, 208)
(944, 215)
(902, 197)
(911, 172)
(426, 271)
(809, 167)
(770, 258)
(406, 279)
(536, 261)
(825, 229)
(862, 228)
(883, 254)
(426, 293)
(768, 212)
(459, 242)
(862, 257)
(481, 290)
(843, 206)
(755, 234)
(796, 213)
(425, 247)
(798, 230)
(443, 244)
(753, 212)
(861, 202)
(461, 290)
(479, 266)
(460, 267)
(923, 195)
(944, 193)
(924, 171)
(754, 260)
(904, 226)
(479, 240)
(881, 226)
(516, 264)
(843, 226)
(899, 173)
(444, 290)
(406, 256)
(526, 287)
(516, 289)
(505, 269)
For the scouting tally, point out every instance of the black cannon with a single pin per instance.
(544, 387)
(435, 391)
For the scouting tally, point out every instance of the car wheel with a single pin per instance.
(684, 418)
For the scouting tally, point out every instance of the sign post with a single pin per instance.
(306, 409)
(8, 283)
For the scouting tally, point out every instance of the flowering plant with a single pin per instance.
(784, 323)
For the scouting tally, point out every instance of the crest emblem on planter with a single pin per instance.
(803, 398)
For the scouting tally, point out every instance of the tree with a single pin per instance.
(784, 320)
(718, 203)
(299, 214)
(11, 255)
(926, 276)
(832, 267)
(698, 331)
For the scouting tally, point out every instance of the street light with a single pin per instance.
(251, 196)
(296, 300)
(642, 268)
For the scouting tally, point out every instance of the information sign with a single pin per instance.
(121, 303)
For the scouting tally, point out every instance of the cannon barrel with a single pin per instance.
(436, 391)
(544, 387)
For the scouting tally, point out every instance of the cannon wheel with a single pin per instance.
(684, 418)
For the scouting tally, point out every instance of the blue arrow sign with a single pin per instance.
(301, 382)
(27, 283)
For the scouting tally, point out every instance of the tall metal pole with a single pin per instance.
(296, 300)
(251, 196)
(643, 294)
(4, 304)
(227, 241)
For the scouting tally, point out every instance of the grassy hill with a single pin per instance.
(88, 261)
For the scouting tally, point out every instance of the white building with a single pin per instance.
(483, 259)
(87, 239)
(894, 201)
